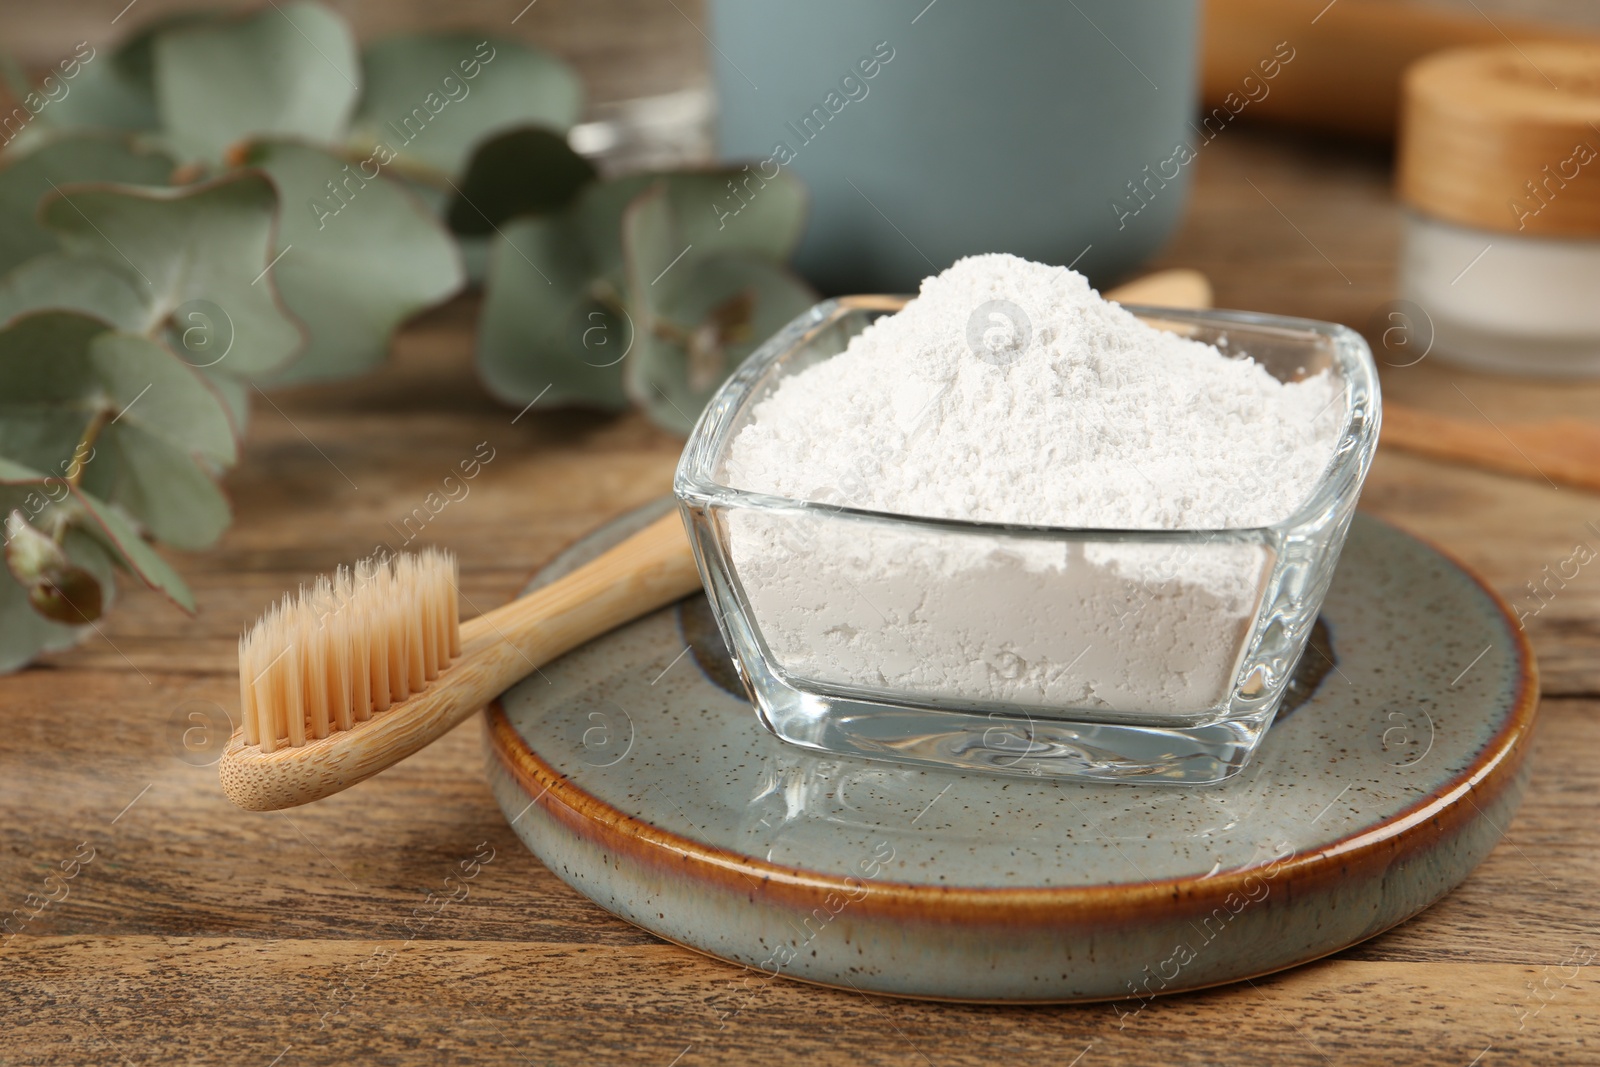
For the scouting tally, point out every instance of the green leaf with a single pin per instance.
(59, 371)
(57, 588)
(164, 488)
(30, 554)
(699, 315)
(84, 90)
(60, 162)
(135, 58)
(474, 250)
(116, 91)
(116, 534)
(204, 248)
(553, 313)
(542, 333)
(93, 524)
(74, 283)
(47, 396)
(706, 211)
(235, 394)
(24, 633)
(288, 70)
(674, 378)
(360, 256)
(157, 391)
(526, 171)
(429, 99)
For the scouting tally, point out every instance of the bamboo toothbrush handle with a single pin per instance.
(649, 570)
(1561, 450)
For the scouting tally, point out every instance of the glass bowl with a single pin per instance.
(1148, 655)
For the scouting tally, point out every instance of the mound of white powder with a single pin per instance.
(1009, 391)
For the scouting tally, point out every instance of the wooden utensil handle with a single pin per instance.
(1348, 58)
(1561, 450)
(649, 570)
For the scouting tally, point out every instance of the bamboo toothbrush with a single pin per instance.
(368, 667)
(361, 671)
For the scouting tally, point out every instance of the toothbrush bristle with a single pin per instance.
(348, 648)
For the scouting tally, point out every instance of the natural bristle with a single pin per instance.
(348, 648)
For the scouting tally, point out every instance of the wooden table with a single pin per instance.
(200, 933)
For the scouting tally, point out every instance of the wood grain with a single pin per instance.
(199, 933)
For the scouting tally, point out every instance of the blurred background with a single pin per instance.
(622, 48)
(657, 69)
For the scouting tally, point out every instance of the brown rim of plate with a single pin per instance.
(1435, 817)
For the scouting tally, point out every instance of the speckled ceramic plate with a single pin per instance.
(635, 769)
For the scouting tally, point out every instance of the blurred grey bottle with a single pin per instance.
(926, 132)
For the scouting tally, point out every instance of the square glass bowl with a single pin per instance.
(1145, 655)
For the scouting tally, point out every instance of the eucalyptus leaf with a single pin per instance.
(47, 394)
(163, 487)
(235, 394)
(429, 99)
(29, 553)
(543, 334)
(57, 588)
(474, 249)
(104, 526)
(72, 596)
(158, 417)
(705, 211)
(115, 91)
(93, 536)
(206, 247)
(699, 314)
(360, 255)
(554, 311)
(64, 161)
(159, 392)
(112, 530)
(676, 370)
(474, 258)
(525, 171)
(75, 283)
(92, 91)
(24, 633)
(288, 70)
(134, 60)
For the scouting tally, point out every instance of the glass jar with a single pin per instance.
(1135, 690)
(1499, 169)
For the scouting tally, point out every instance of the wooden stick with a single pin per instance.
(1347, 58)
(1176, 288)
(1561, 450)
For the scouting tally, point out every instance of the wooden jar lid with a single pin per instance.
(1505, 138)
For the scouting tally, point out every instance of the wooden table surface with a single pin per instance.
(195, 932)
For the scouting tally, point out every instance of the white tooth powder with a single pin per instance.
(1009, 391)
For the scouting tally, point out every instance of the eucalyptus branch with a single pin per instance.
(104, 415)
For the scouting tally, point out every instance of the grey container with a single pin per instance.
(1046, 128)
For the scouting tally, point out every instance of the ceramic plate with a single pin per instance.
(635, 768)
